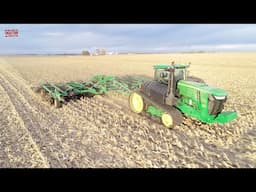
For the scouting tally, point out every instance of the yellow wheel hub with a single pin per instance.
(167, 120)
(136, 103)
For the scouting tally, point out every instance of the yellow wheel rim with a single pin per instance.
(167, 120)
(136, 103)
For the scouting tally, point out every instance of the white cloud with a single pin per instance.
(218, 47)
(53, 34)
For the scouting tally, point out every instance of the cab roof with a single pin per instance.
(168, 66)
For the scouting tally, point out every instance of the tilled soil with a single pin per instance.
(102, 132)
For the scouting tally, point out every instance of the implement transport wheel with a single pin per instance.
(167, 120)
(43, 92)
(136, 102)
(57, 103)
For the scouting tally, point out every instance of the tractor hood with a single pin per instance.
(217, 92)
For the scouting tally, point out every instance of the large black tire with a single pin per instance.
(172, 117)
(195, 79)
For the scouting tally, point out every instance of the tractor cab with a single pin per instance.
(170, 75)
(163, 72)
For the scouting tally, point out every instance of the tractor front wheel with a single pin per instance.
(136, 102)
(167, 120)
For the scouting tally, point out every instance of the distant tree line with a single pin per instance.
(101, 51)
(87, 53)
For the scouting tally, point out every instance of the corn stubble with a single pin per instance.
(102, 132)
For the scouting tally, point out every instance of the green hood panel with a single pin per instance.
(203, 87)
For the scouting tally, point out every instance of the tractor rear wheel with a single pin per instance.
(136, 102)
(167, 120)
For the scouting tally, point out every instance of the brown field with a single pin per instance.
(103, 132)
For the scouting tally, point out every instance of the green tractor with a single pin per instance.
(173, 94)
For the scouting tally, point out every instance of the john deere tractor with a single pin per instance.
(172, 94)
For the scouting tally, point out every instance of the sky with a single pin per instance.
(74, 38)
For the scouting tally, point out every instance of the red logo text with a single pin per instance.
(11, 32)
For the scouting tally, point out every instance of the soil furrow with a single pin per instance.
(37, 125)
(16, 140)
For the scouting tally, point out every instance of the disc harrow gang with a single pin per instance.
(58, 94)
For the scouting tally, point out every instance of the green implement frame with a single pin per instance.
(97, 85)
